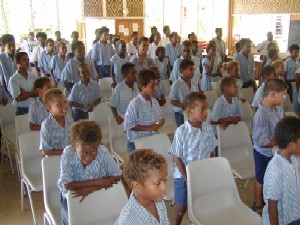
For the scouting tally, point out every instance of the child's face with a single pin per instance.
(50, 46)
(280, 70)
(131, 75)
(174, 40)
(161, 54)
(246, 48)
(87, 153)
(151, 88)
(80, 52)
(135, 39)
(122, 48)
(199, 112)
(143, 47)
(157, 39)
(275, 57)
(270, 77)
(104, 36)
(279, 97)
(231, 90)
(295, 54)
(41, 41)
(212, 51)
(41, 91)
(234, 72)
(10, 48)
(192, 37)
(85, 74)
(23, 62)
(75, 37)
(58, 106)
(186, 52)
(62, 49)
(189, 72)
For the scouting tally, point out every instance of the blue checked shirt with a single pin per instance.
(58, 64)
(118, 63)
(102, 53)
(223, 109)
(206, 79)
(71, 168)
(191, 144)
(37, 112)
(282, 184)
(16, 82)
(163, 68)
(139, 65)
(179, 91)
(134, 213)
(247, 66)
(290, 67)
(7, 67)
(44, 60)
(122, 96)
(83, 94)
(141, 112)
(173, 52)
(53, 135)
(259, 95)
(264, 123)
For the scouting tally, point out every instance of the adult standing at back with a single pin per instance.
(166, 37)
(263, 47)
(221, 47)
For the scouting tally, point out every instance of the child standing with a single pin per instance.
(273, 56)
(142, 117)
(265, 120)
(46, 57)
(59, 62)
(153, 46)
(281, 181)
(20, 84)
(41, 38)
(279, 67)
(37, 112)
(173, 50)
(160, 94)
(194, 140)
(55, 129)
(131, 47)
(86, 165)
(162, 63)
(233, 71)
(85, 95)
(124, 92)
(118, 61)
(145, 172)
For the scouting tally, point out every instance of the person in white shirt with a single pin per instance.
(153, 46)
(28, 46)
(263, 47)
(132, 46)
(165, 39)
(36, 53)
(221, 47)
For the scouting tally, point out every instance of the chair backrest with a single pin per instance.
(248, 94)
(100, 207)
(29, 145)
(247, 114)
(216, 87)
(287, 104)
(7, 113)
(167, 86)
(100, 113)
(212, 97)
(60, 86)
(105, 85)
(21, 125)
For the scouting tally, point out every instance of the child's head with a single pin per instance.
(187, 49)
(270, 36)
(121, 46)
(85, 137)
(275, 90)
(196, 106)
(160, 52)
(104, 34)
(187, 68)
(97, 34)
(134, 38)
(269, 73)
(233, 69)
(9, 44)
(84, 72)
(62, 48)
(75, 36)
(273, 54)
(195, 46)
(147, 82)
(143, 45)
(229, 86)
(31, 35)
(279, 67)
(22, 60)
(237, 47)
(70, 56)
(129, 72)
(271, 46)
(156, 71)
(79, 49)
(41, 37)
(58, 35)
(294, 51)
(219, 32)
(166, 30)
(55, 102)
(192, 37)
(2, 48)
(115, 41)
(50, 45)
(245, 44)
(145, 172)
(211, 49)
(287, 134)
(156, 38)
(174, 38)
(41, 85)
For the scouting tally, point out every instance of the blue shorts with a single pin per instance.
(179, 118)
(130, 146)
(261, 162)
(180, 192)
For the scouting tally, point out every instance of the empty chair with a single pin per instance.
(168, 114)
(212, 97)
(105, 85)
(161, 144)
(167, 86)
(100, 207)
(51, 172)
(287, 104)
(248, 94)
(247, 114)
(216, 87)
(213, 198)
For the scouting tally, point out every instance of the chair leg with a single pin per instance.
(9, 156)
(18, 165)
(246, 183)
(31, 203)
(22, 195)
(2, 149)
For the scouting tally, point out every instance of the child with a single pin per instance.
(266, 57)
(281, 182)
(28, 46)
(166, 36)
(131, 47)
(86, 165)
(153, 46)
(221, 47)
(160, 94)
(173, 49)
(37, 112)
(227, 108)
(268, 73)
(55, 129)
(233, 71)
(194, 140)
(124, 92)
(41, 38)
(85, 95)
(279, 67)
(211, 68)
(162, 62)
(181, 88)
(89, 54)
(142, 117)
(101, 54)
(197, 52)
(273, 56)
(145, 172)
(59, 62)
(75, 37)
(141, 60)
(291, 64)
(118, 61)
(265, 120)
(46, 57)
(8, 66)
(20, 84)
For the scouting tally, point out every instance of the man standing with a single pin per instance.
(221, 47)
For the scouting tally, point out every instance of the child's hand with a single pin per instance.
(113, 84)
(107, 182)
(4, 101)
(161, 122)
(83, 192)
(90, 107)
(119, 120)
(224, 124)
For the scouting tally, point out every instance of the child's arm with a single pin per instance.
(152, 127)
(25, 95)
(162, 100)
(210, 67)
(271, 144)
(95, 66)
(68, 85)
(52, 75)
(118, 118)
(178, 104)
(78, 105)
(112, 76)
(90, 107)
(273, 212)
(34, 127)
(180, 166)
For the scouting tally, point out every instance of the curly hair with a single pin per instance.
(40, 82)
(140, 163)
(50, 94)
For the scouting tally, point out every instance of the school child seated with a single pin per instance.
(279, 67)
(131, 48)
(86, 165)
(145, 172)
(153, 46)
(160, 93)
(41, 38)
(46, 57)
(226, 109)
(20, 84)
(173, 50)
(273, 56)
(141, 59)
(233, 71)
(58, 62)
(162, 62)
(269, 113)
(118, 61)
(143, 115)
(193, 140)
(124, 92)
(85, 95)
(268, 73)
(37, 112)
(281, 181)
(55, 129)
(181, 88)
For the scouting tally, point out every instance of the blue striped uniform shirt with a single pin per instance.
(173, 52)
(247, 66)
(58, 64)
(118, 62)
(37, 112)
(206, 79)
(163, 68)
(139, 65)
(102, 53)
(259, 95)
(7, 67)
(44, 60)
(290, 67)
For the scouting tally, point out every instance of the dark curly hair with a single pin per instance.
(287, 130)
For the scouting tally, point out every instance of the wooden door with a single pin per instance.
(125, 27)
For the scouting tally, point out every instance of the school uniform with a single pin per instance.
(44, 61)
(28, 46)
(259, 95)
(7, 68)
(206, 79)
(152, 50)
(221, 47)
(247, 68)
(36, 54)
(131, 49)
(160, 91)
(173, 52)
(139, 65)
(37, 112)
(163, 68)
(290, 67)
(57, 64)
(117, 63)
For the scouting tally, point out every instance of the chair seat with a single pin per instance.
(120, 146)
(32, 173)
(105, 134)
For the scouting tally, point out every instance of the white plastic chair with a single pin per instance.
(235, 144)
(105, 85)
(247, 114)
(248, 94)
(213, 197)
(100, 207)
(30, 159)
(161, 144)
(167, 113)
(100, 114)
(117, 139)
(51, 172)
(61, 86)
(290, 114)
(287, 104)
(167, 86)
(212, 97)
(216, 87)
